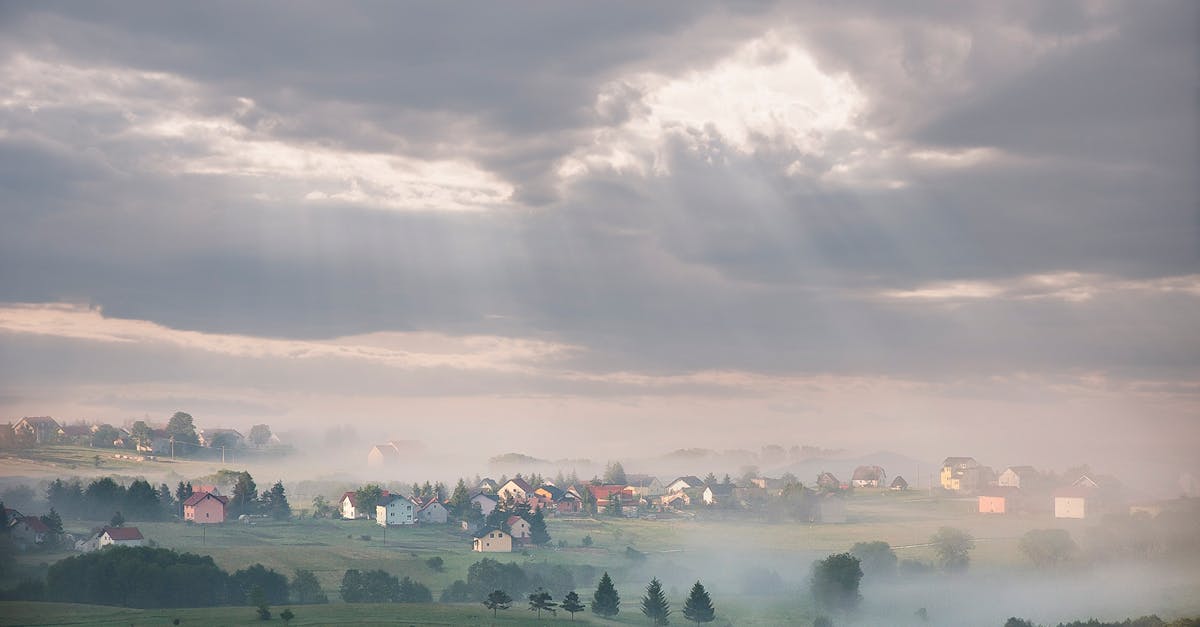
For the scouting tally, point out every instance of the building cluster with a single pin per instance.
(39, 430)
(28, 532)
(1023, 490)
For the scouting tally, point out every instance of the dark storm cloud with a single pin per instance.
(725, 263)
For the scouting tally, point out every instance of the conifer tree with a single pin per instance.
(537, 529)
(497, 600)
(606, 602)
(572, 604)
(654, 604)
(699, 608)
(541, 600)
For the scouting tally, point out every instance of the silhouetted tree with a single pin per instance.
(605, 601)
(182, 429)
(835, 582)
(655, 605)
(876, 558)
(537, 528)
(540, 600)
(305, 588)
(497, 600)
(699, 608)
(571, 604)
(260, 435)
(952, 547)
(1048, 548)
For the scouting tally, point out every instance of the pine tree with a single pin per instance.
(699, 608)
(53, 521)
(541, 600)
(245, 493)
(497, 600)
(537, 528)
(277, 503)
(572, 604)
(460, 499)
(606, 602)
(654, 604)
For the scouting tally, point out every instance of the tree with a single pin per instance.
(835, 582)
(276, 502)
(287, 615)
(655, 605)
(537, 529)
(460, 499)
(1048, 548)
(571, 604)
(52, 521)
(352, 586)
(614, 473)
(141, 501)
(876, 558)
(952, 547)
(165, 502)
(497, 600)
(260, 435)
(541, 600)
(586, 542)
(710, 479)
(605, 601)
(699, 608)
(141, 433)
(3, 518)
(273, 585)
(305, 588)
(182, 429)
(413, 592)
(104, 436)
(259, 599)
(436, 563)
(245, 493)
(613, 508)
(321, 507)
(367, 497)
(117, 520)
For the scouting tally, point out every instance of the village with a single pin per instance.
(500, 516)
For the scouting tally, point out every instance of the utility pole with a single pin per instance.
(222, 454)
(172, 447)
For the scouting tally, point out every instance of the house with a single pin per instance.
(120, 536)
(605, 493)
(487, 484)
(159, 444)
(516, 489)
(394, 509)
(39, 429)
(999, 500)
(960, 474)
(349, 509)
(1072, 502)
(718, 494)
(569, 503)
(486, 502)
(232, 437)
(77, 434)
(868, 477)
(492, 541)
(383, 455)
(205, 508)
(28, 531)
(432, 511)
(549, 492)
(676, 500)
(1024, 477)
(826, 481)
(898, 484)
(683, 483)
(645, 486)
(519, 529)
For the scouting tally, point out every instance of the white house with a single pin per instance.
(684, 483)
(1071, 502)
(517, 489)
(518, 528)
(395, 510)
(486, 502)
(120, 536)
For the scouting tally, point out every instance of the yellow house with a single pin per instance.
(493, 541)
(959, 473)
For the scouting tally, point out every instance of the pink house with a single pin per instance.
(205, 508)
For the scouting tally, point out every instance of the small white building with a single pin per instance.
(120, 536)
(1018, 477)
(395, 510)
(1071, 503)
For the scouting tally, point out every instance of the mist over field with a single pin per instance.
(810, 247)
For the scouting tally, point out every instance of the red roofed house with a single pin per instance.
(121, 536)
(205, 508)
(604, 493)
(519, 529)
(350, 509)
(28, 530)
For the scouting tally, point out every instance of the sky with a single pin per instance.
(606, 229)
